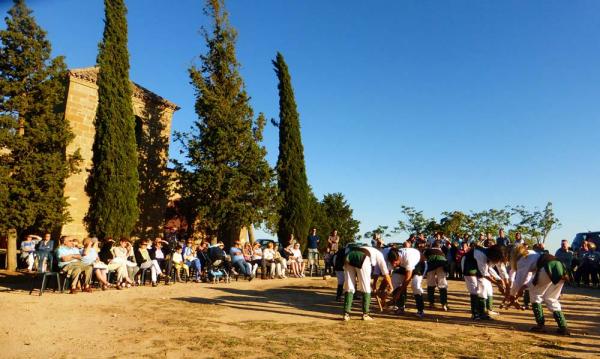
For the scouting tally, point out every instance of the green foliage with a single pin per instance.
(380, 230)
(225, 179)
(333, 212)
(33, 131)
(455, 223)
(534, 225)
(113, 184)
(295, 211)
(414, 222)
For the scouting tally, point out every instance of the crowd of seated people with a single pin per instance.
(132, 261)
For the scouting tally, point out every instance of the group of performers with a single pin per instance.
(515, 270)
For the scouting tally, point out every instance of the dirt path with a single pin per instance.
(275, 318)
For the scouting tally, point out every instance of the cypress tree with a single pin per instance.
(33, 131)
(293, 184)
(225, 179)
(113, 184)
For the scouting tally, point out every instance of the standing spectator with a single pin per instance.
(421, 241)
(44, 250)
(313, 249)
(518, 239)
(502, 239)
(191, 259)
(69, 261)
(333, 243)
(565, 255)
(452, 265)
(460, 253)
(590, 263)
(28, 252)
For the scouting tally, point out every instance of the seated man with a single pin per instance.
(44, 250)
(238, 261)
(69, 262)
(28, 252)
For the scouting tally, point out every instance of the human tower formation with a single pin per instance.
(515, 270)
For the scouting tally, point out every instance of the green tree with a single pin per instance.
(414, 222)
(340, 216)
(33, 131)
(225, 177)
(113, 184)
(535, 225)
(294, 212)
(454, 223)
(489, 221)
(382, 230)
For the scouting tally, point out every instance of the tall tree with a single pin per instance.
(340, 216)
(293, 184)
(226, 176)
(33, 131)
(113, 184)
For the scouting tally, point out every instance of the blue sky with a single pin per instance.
(440, 105)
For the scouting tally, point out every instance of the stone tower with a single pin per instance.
(153, 116)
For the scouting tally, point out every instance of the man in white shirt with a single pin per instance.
(358, 263)
(549, 275)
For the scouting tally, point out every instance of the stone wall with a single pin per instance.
(153, 129)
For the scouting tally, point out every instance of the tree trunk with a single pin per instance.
(11, 251)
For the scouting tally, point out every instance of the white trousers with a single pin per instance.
(120, 268)
(154, 268)
(484, 288)
(416, 282)
(362, 275)
(437, 278)
(275, 269)
(471, 284)
(545, 291)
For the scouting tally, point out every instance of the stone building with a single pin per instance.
(153, 116)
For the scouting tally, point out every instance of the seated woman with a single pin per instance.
(118, 265)
(90, 257)
(145, 261)
(123, 253)
(298, 260)
(257, 260)
(269, 260)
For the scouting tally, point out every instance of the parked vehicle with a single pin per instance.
(590, 236)
(264, 241)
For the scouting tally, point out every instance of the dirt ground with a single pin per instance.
(290, 318)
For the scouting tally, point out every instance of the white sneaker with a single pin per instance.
(445, 308)
(491, 312)
(346, 317)
(366, 317)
